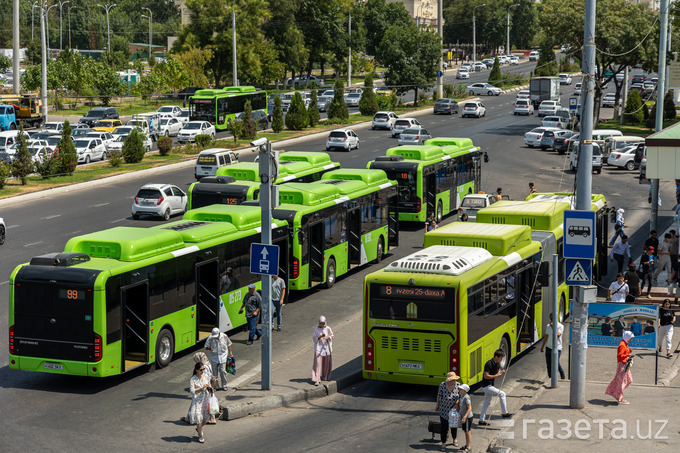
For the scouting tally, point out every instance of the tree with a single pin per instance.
(669, 112)
(5, 63)
(650, 122)
(338, 108)
(277, 119)
(249, 128)
(31, 79)
(171, 75)
(378, 17)
(235, 128)
(194, 61)
(368, 104)
(495, 75)
(5, 172)
(133, 147)
(105, 80)
(633, 112)
(297, 117)
(547, 63)
(68, 157)
(22, 165)
(313, 109)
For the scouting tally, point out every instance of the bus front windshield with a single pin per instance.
(202, 110)
(407, 184)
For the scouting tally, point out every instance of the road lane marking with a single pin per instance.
(98, 205)
(50, 217)
(119, 220)
(4, 283)
(32, 244)
(12, 226)
(73, 233)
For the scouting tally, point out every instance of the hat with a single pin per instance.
(620, 211)
(650, 248)
(452, 376)
(215, 332)
(322, 319)
(251, 286)
(465, 387)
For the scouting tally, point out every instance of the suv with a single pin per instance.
(473, 202)
(555, 121)
(403, 123)
(383, 120)
(597, 157)
(209, 160)
(564, 79)
(161, 200)
(99, 113)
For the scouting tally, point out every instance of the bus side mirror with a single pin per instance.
(543, 278)
(301, 237)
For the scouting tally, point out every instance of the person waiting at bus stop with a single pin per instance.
(219, 346)
(548, 346)
(252, 303)
(492, 370)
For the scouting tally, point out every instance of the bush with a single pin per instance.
(368, 104)
(5, 172)
(249, 128)
(22, 165)
(435, 95)
(633, 111)
(460, 90)
(313, 109)
(645, 112)
(68, 157)
(650, 122)
(203, 140)
(235, 127)
(116, 159)
(448, 90)
(495, 75)
(277, 120)
(669, 112)
(48, 166)
(338, 108)
(384, 103)
(297, 117)
(164, 145)
(133, 147)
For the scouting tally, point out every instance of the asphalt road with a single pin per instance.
(137, 411)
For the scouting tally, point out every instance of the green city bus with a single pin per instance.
(218, 106)
(449, 306)
(599, 205)
(432, 178)
(236, 183)
(125, 297)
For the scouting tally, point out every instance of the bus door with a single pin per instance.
(316, 249)
(207, 297)
(354, 236)
(392, 222)
(430, 192)
(135, 300)
(525, 309)
(282, 242)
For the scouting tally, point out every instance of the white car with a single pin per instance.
(548, 108)
(54, 127)
(170, 126)
(345, 139)
(352, 99)
(502, 59)
(3, 231)
(564, 79)
(555, 121)
(533, 56)
(473, 108)
(401, 124)
(524, 94)
(577, 89)
(488, 62)
(534, 136)
(514, 60)
(479, 66)
(383, 120)
(160, 200)
(106, 137)
(467, 65)
(117, 144)
(463, 73)
(624, 158)
(89, 149)
(483, 88)
(169, 111)
(609, 100)
(183, 116)
(523, 107)
(121, 130)
(193, 128)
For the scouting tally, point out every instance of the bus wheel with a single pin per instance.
(380, 251)
(563, 309)
(330, 273)
(165, 346)
(440, 213)
(505, 347)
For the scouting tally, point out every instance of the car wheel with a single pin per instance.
(87, 159)
(599, 170)
(514, 113)
(440, 213)
(166, 214)
(530, 146)
(357, 147)
(135, 216)
(372, 128)
(490, 93)
(165, 346)
(330, 273)
(630, 165)
(572, 168)
(2, 234)
(505, 347)
(471, 93)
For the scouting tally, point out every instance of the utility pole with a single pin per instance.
(349, 55)
(15, 51)
(507, 49)
(660, 93)
(556, 318)
(233, 40)
(474, 33)
(108, 8)
(624, 98)
(440, 32)
(43, 40)
(61, 37)
(150, 17)
(577, 391)
(33, 7)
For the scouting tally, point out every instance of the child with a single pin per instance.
(650, 327)
(465, 415)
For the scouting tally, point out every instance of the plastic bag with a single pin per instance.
(454, 418)
(231, 365)
(214, 405)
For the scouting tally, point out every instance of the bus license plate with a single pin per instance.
(411, 366)
(53, 366)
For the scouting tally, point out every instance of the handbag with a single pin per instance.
(454, 418)
(214, 405)
(231, 365)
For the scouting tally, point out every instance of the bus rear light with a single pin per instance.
(368, 354)
(12, 345)
(418, 204)
(97, 348)
(296, 268)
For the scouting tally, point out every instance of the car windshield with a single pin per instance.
(53, 141)
(165, 109)
(443, 101)
(402, 123)
(51, 126)
(354, 95)
(102, 124)
(95, 114)
(521, 102)
(122, 138)
(122, 130)
(380, 116)
(552, 118)
(470, 105)
(34, 149)
(164, 121)
(337, 134)
(538, 130)
(81, 143)
(414, 131)
(192, 126)
(322, 99)
(184, 113)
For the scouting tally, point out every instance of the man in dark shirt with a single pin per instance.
(606, 327)
(492, 370)
(647, 266)
(618, 327)
(652, 242)
(252, 302)
(633, 279)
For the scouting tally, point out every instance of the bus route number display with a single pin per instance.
(409, 292)
(71, 294)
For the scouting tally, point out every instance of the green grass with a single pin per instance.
(124, 108)
(631, 129)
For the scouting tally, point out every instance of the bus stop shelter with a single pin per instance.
(663, 153)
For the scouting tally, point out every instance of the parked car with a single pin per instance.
(648, 86)
(117, 143)
(534, 136)
(89, 149)
(193, 128)
(473, 202)
(53, 127)
(577, 89)
(301, 81)
(403, 123)
(383, 120)
(615, 143)
(473, 108)
(170, 126)
(523, 94)
(160, 200)
(597, 157)
(105, 137)
(463, 73)
(483, 88)
(122, 130)
(619, 76)
(331, 93)
(446, 105)
(503, 59)
(533, 55)
(547, 108)
(609, 100)
(183, 116)
(345, 139)
(172, 111)
(107, 125)
(383, 91)
(514, 60)
(565, 79)
(324, 103)
(523, 107)
(3, 231)
(488, 62)
(259, 117)
(623, 158)
(564, 113)
(637, 86)
(561, 143)
(555, 121)
(479, 66)
(99, 113)
(413, 136)
(352, 100)
(549, 136)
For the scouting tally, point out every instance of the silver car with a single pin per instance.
(413, 136)
(324, 103)
(160, 200)
(383, 120)
(352, 99)
(402, 124)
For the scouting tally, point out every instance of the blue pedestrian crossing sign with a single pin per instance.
(579, 234)
(264, 259)
(578, 272)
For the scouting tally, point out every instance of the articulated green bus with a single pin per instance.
(234, 184)
(218, 106)
(599, 205)
(472, 290)
(125, 297)
(432, 178)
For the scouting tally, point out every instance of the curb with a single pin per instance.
(240, 410)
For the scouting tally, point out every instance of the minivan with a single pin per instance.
(574, 155)
(615, 143)
(209, 160)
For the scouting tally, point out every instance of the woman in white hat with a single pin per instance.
(447, 398)
(323, 351)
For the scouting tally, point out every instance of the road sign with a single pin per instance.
(264, 259)
(440, 74)
(579, 234)
(578, 272)
(573, 103)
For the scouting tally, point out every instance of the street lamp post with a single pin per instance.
(507, 49)
(69, 26)
(349, 54)
(61, 42)
(474, 33)
(43, 48)
(35, 5)
(107, 8)
(150, 17)
(47, 25)
(233, 41)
